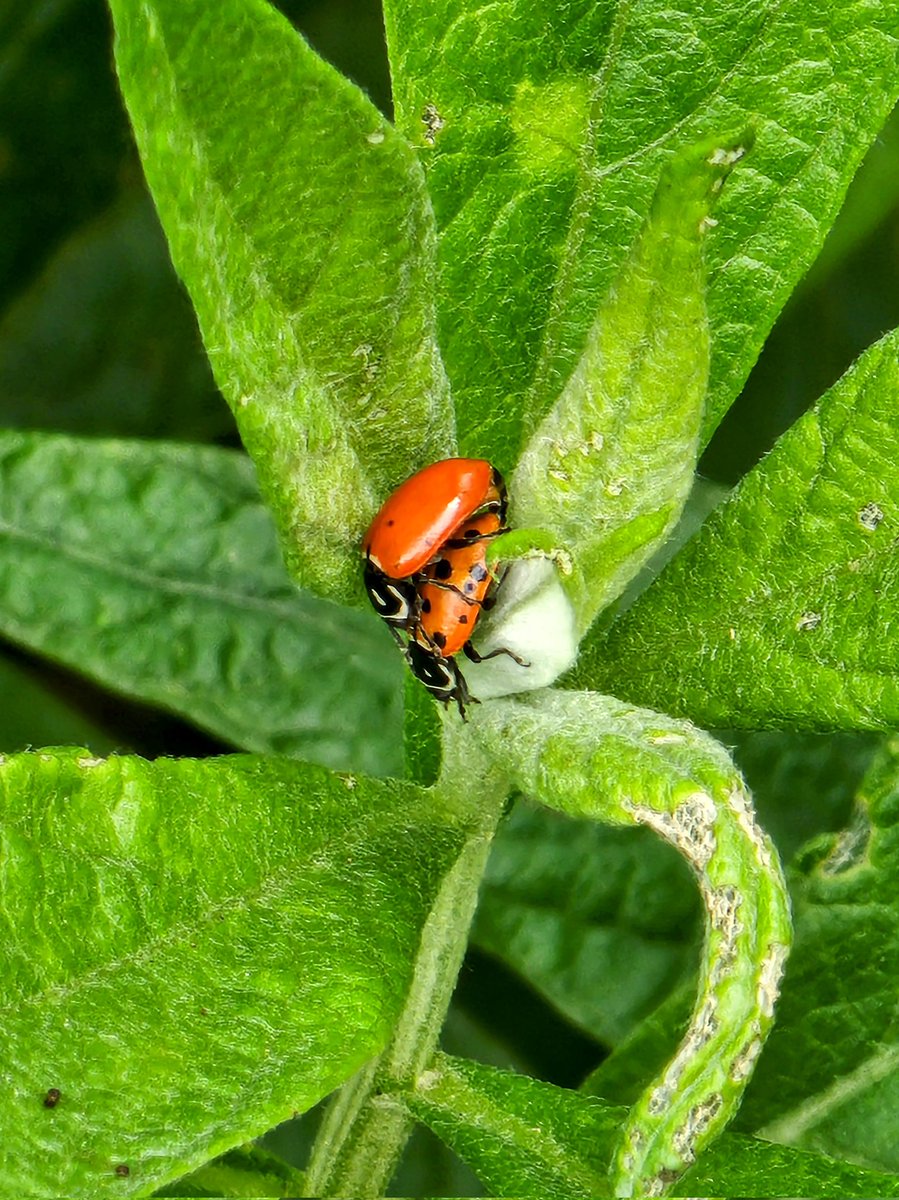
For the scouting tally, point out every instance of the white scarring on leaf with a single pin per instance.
(690, 828)
(870, 516)
(583, 754)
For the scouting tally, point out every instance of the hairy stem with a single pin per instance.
(365, 1129)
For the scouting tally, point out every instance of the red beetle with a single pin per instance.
(414, 521)
(426, 567)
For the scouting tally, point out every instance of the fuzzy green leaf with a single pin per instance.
(246, 1171)
(192, 952)
(831, 1081)
(299, 221)
(526, 1138)
(782, 610)
(154, 568)
(522, 1137)
(799, 783)
(608, 470)
(593, 756)
(544, 128)
(601, 921)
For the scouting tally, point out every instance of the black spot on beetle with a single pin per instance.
(426, 605)
(439, 639)
(443, 569)
(463, 619)
(52, 1098)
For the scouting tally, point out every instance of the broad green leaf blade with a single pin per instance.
(602, 922)
(154, 569)
(592, 756)
(527, 1138)
(193, 951)
(544, 130)
(299, 221)
(831, 1082)
(608, 470)
(743, 1166)
(782, 610)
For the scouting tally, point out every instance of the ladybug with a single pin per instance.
(453, 588)
(414, 521)
(413, 525)
(426, 568)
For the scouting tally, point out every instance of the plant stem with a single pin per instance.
(365, 1128)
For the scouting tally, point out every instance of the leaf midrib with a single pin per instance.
(147, 580)
(276, 881)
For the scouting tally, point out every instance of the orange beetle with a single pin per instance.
(414, 521)
(426, 567)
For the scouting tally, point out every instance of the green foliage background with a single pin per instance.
(97, 337)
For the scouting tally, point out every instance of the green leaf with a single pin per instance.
(523, 1138)
(154, 569)
(781, 611)
(544, 129)
(608, 470)
(59, 111)
(602, 922)
(193, 951)
(247, 1171)
(831, 1081)
(593, 756)
(526, 1138)
(872, 195)
(299, 221)
(798, 782)
(743, 1166)
(105, 341)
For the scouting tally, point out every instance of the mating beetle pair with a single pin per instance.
(426, 568)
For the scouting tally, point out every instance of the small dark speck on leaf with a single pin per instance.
(52, 1098)
(122, 1170)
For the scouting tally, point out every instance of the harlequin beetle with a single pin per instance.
(426, 568)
